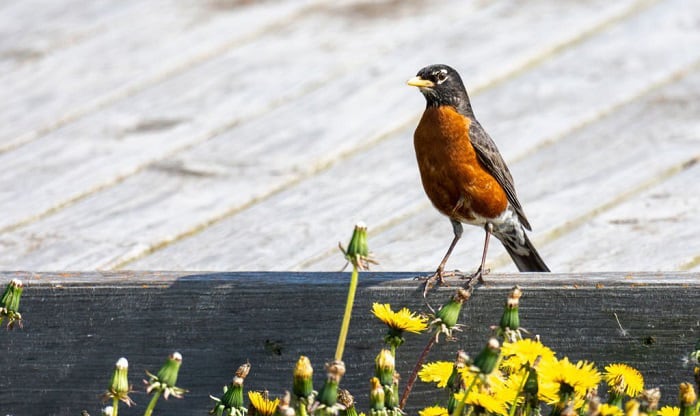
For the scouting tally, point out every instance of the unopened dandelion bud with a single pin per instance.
(687, 398)
(328, 395)
(303, 378)
(384, 367)
(348, 402)
(169, 371)
(284, 407)
(511, 318)
(119, 387)
(488, 357)
(9, 303)
(120, 382)
(649, 400)
(449, 313)
(357, 252)
(233, 396)
(376, 395)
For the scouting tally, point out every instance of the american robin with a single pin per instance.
(464, 174)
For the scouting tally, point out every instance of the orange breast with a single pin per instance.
(452, 176)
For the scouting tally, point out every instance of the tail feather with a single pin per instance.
(523, 253)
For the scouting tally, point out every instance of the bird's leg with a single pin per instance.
(437, 278)
(481, 271)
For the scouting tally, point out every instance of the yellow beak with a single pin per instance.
(420, 82)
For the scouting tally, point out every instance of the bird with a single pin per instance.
(464, 174)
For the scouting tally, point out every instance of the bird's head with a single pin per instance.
(441, 85)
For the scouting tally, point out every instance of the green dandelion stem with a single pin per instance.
(115, 406)
(346, 317)
(460, 406)
(412, 379)
(511, 412)
(152, 403)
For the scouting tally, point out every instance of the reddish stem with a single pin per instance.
(414, 374)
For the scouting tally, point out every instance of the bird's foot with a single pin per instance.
(478, 274)
(437, 279)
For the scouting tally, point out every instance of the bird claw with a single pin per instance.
(437, 279)
(478, 274)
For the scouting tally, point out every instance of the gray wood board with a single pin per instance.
(187, 194)
(564, 173)
(78, 325)
(129, 53)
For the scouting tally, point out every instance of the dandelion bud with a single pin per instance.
(384, 367)
(449, 313)
(687, 398)
(303, 378)
(328, 395)
(488, 357)
(9, 303)
(376, 395)
(169, 371)
(510, 318)
(284, 408)
(357, 252)
(348, 402)
(231, 403)
(649, 400)
(120, 382)
(119, 387)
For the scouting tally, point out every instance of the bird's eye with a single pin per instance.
(441, 76)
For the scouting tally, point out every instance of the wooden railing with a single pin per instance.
(76, 325)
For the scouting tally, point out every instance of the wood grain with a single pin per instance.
(78, 325)
(407, 234)
(226, 165)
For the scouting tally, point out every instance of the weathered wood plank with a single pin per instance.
(183, 196)
(620, 154)
(302, 223)
(655, 230)
(77, 326)
(204, 109)
(30, 30)
(149, 44)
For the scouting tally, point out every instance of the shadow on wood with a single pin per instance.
(78, 325)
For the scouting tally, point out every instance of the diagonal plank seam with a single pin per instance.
(577, 222)
(133, 89)
(528, 64)
(503, 260)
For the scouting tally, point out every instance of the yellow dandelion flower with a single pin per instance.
(398, 322)
(669, 411)
(483, 402)
(433, 411)
(622, 378)
(436, 372)
(263, 406)
(524, 352)
(610, 410)
(566, 380)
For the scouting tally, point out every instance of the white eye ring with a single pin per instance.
(441, 76)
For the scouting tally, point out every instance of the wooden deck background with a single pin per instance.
(235, 135)
(78, 325)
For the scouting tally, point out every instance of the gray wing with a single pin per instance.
(492, 161)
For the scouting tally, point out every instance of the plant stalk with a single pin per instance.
(412, 379)
(152, 403)
(346, 317)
